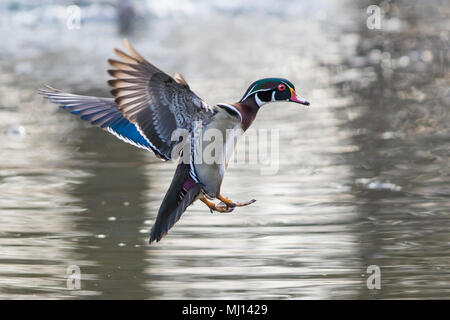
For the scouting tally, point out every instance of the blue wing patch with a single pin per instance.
(103, 113)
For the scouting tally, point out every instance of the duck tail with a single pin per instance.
(183, 191)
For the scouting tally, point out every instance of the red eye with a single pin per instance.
(281, 87)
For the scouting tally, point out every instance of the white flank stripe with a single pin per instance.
(192, 172)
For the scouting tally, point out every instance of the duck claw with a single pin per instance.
(232, 204)
(247, 203)
(242, 204)
(223, 207)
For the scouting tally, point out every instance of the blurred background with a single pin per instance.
(363, 173)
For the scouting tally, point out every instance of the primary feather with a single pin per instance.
(100, 112)
(154, 101)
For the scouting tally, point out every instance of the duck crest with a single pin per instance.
(248, 110)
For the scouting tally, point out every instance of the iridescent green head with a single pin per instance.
(270, 90)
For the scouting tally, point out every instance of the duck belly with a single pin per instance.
(217, 145)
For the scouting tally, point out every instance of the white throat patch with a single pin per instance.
(258, 101)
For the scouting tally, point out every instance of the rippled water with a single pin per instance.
(363, 175)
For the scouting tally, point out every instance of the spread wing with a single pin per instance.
(100, 112)
(154, 101)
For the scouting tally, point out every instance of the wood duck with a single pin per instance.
(148, 105)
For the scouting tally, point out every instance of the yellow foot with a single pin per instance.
(232, 204)
(219, 208)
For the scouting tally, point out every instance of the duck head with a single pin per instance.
(268, 90)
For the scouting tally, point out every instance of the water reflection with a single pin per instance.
(401, 117)
(37, 211)
(112, 197)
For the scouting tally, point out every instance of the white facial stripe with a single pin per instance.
(250, 93)
(288, 86)
(258, 101)
(273, 96)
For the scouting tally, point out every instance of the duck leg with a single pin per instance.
(212, 207)
(230, 204)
